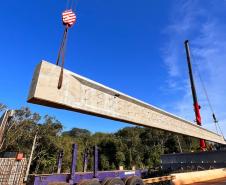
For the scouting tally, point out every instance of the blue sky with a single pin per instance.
(133, 46)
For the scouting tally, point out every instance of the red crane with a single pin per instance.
(194, 95)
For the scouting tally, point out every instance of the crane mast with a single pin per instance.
(194, 95)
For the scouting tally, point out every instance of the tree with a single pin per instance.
(2, 107)
(47, 148)
(22, 128)
(129, 146)
(171, 144)
(77, 133)
(120, 158)
(104, 163)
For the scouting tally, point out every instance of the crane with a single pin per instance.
(68, 20)
(194, 95)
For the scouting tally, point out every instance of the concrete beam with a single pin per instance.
(86, 96)
(199, 176)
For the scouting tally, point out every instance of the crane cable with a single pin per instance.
(68, 19)
(71, 4)
(217, 126)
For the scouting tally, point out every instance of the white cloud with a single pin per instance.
(206, 31)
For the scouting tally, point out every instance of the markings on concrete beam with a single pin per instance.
(158, 179)
(86, 96)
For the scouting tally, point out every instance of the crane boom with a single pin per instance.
(194, 95)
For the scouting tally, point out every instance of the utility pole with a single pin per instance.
(194, 95)
(30, 158)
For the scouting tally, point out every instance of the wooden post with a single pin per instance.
(30, 158)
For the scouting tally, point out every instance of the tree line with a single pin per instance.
(130, 146)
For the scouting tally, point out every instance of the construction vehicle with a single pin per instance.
(196, 160)
(194, 95)
(119, 177)
(115, 177)
(196, 105)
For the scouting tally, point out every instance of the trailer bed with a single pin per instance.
(44, 179)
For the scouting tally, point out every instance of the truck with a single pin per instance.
(115, 177)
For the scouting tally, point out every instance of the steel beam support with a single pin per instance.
(95, 162)
(73, 163)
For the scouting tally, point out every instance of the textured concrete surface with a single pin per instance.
(221, 181)
(86, 96)
(198, 176)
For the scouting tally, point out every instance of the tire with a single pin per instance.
(125, 180)
(135, 181)
(104, 182)
(115, 181)
(89, 182)
(81, 182)
(58, 183)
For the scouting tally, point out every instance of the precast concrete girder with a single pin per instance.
(86, 96)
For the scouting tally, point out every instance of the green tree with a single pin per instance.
(2, 107)
(21, 131)
(129, 146)
(120, 158)
(47, 148)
